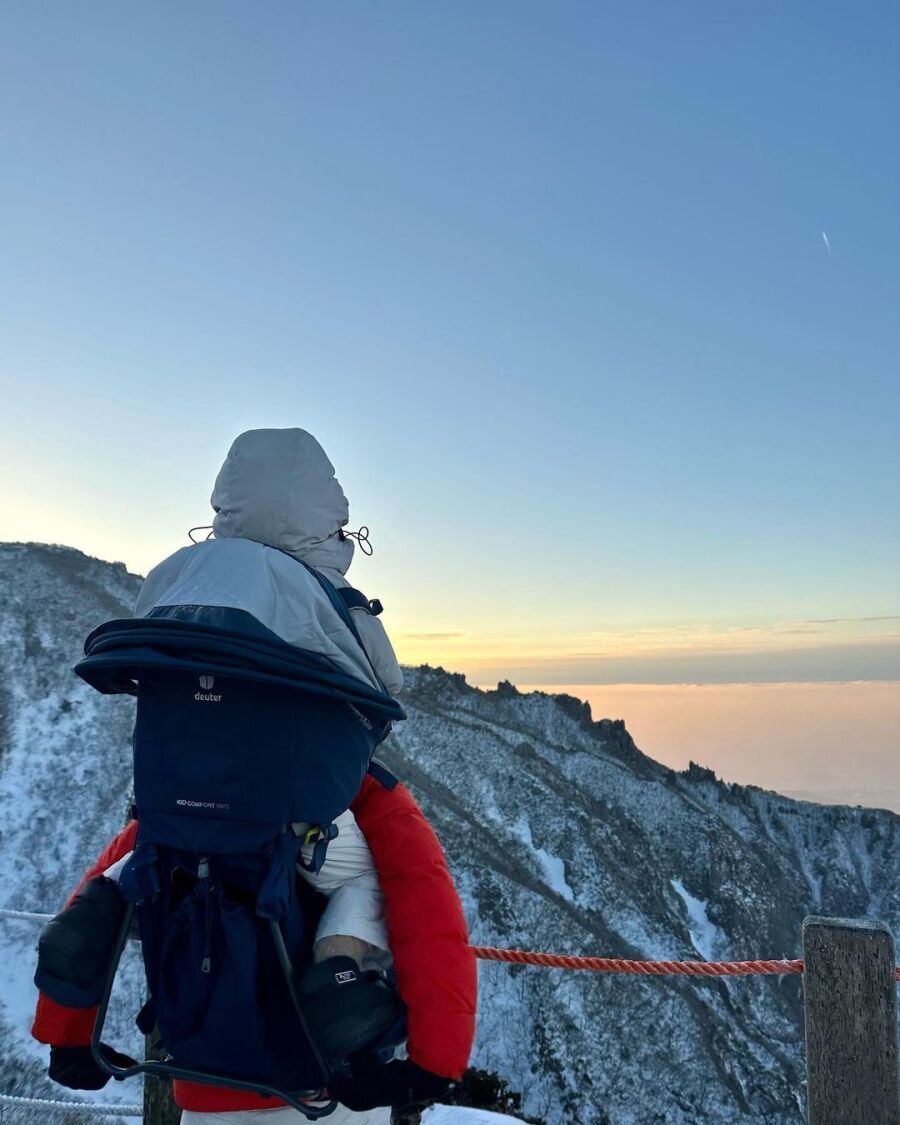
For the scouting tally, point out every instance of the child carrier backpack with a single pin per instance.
(245, 748)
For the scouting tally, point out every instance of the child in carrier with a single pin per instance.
(275, 497)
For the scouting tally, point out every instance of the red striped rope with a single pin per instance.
(643, 968)
(600, 964)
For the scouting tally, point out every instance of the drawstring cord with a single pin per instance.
(361, 537)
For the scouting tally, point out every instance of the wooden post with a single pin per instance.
(159, 1105)
(850, 998)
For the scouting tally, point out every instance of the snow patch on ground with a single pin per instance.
(552, 866)
(705, 935)
(646, 939)
(457, 1115)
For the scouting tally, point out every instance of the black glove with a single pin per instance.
(399, 1083)
(75, 1067)
(75, 949)
(348, 1009)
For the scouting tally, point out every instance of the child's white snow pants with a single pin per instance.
(349, 880)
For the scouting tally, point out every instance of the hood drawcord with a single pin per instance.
(361, 537)
(203, 527)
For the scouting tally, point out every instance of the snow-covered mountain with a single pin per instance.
(64, 783)
(562, 836)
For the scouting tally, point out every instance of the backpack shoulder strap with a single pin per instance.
(379, 771)
(356, 599)
(343, 611)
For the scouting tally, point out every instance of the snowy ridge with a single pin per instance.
(562, 836)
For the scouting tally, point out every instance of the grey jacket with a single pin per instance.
(276, 496)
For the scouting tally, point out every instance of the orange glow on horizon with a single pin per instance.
(457, 648)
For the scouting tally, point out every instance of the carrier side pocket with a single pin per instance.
(207, 996)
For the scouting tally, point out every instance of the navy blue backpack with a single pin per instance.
(239, 739)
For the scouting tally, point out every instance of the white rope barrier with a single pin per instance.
(96, 1108)
(30, 916)
(26, 914)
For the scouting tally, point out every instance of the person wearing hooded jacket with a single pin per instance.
(389, 892)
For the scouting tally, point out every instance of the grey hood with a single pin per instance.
(285, 597)
(278, 487)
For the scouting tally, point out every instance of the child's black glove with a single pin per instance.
(75, 1066)
(399, 1083)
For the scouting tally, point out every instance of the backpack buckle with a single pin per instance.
(318, 836)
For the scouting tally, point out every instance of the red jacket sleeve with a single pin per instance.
(72, 1027)
(434, 964)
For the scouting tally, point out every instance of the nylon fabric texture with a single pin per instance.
(278, 487)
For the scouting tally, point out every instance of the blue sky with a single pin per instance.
(547, 280)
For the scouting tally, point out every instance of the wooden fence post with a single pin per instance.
(159, 1105)
(850, 999)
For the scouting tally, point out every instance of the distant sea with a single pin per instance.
(836, 743)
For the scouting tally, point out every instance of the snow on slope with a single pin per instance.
(64, 772)
(457, 1115)
(705, 936)
(561, 835)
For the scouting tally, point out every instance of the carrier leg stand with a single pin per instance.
(170, 1069)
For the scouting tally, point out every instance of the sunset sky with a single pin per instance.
(594, 308)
